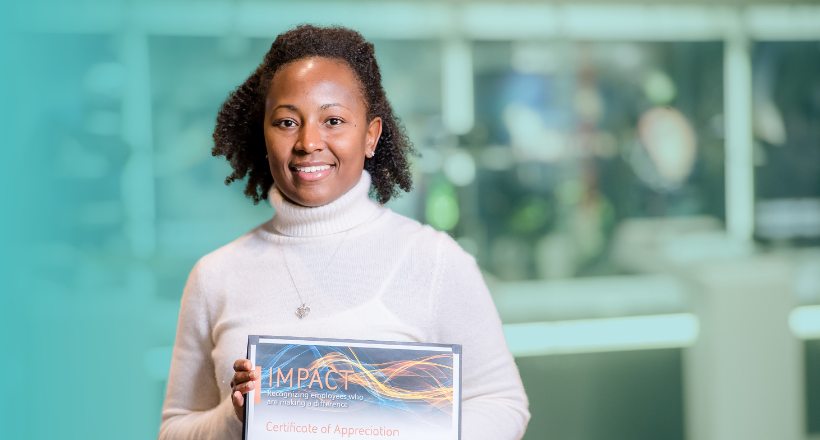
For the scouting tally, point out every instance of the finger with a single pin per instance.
(242, 365)
(245, 387)
(244, 376)
(237, 399)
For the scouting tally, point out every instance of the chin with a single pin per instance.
(313, 199)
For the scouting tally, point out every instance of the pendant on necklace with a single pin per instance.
(302, 311)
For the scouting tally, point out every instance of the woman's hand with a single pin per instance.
(241, 383)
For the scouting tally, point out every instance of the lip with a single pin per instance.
(314, 176)
(310, 164)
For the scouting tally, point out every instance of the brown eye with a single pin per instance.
(285, 123)
(334, 121)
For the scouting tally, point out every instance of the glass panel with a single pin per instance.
(787, 142)
(786, 120)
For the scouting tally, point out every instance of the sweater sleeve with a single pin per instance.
(193, 408)
(494, 405)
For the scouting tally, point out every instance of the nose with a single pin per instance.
(310, 138)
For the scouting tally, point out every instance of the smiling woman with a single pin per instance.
(340, 68)
(312, 131)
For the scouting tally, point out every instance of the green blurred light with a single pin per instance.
(530, 216)
(659, 88)
(442, 207)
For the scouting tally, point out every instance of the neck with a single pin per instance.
(348, 211)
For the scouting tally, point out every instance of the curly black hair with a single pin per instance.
(239, 132)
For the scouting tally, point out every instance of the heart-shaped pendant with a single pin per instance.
(301, 312)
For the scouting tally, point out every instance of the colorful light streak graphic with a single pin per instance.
(419, 385)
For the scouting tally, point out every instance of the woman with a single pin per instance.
(312, 130)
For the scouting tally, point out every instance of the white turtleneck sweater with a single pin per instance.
(391, 279)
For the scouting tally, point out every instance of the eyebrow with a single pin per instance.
(333, 104)
(323, 107)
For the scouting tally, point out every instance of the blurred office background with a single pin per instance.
(640, 184)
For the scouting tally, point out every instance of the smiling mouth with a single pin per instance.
(312, 169)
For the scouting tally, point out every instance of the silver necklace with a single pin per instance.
(303, 310)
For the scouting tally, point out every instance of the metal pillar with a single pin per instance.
(737, 86)
(743, 376)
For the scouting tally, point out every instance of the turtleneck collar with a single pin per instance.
(346, 212)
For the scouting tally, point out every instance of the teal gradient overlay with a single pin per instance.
(89, 303)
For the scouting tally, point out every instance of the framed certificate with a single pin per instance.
(330, 388)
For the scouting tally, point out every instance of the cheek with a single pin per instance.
(278, 164)
(351, 144)
(277, 150)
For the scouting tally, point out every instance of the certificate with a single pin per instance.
(347, 389)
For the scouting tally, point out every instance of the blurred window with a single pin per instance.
(570, 139)
(786, 121)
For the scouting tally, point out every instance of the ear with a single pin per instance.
(374, 132)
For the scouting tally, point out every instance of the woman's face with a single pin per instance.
(316, 130)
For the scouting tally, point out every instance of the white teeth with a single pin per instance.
(312, 169)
